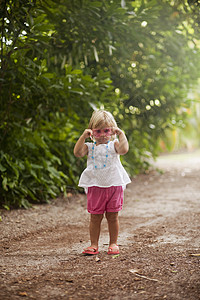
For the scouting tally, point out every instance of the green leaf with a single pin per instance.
(2, 168)
(48, 75)
(76, 72)
(96, 4)
(4, 183)
(6, 207)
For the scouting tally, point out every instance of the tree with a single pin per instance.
(61, 59)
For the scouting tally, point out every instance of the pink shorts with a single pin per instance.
(100, 200)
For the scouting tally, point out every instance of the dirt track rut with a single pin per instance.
(159, 241)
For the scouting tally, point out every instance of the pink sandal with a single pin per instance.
(113, 250)
(90, 251)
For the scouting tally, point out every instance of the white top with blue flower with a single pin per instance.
(104, 168)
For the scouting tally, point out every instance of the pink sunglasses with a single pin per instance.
(98, 132)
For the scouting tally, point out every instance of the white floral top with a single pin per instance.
(104, 168)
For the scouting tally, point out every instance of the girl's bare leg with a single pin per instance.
(113, 227)
(95, 227)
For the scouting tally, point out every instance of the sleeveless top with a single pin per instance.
(104, 168)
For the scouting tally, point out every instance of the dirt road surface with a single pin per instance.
(159, 242)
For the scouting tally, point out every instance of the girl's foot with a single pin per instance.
(90, 251)
(114, 249)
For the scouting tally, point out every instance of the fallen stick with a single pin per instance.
(142, 276)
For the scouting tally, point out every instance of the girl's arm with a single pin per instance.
(122, 145)
(80, 148)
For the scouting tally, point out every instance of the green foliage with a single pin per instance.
(61, 59)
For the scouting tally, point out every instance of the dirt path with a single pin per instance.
(159, 241)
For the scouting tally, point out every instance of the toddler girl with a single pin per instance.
(104, 179)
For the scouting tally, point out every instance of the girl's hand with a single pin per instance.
(81, 148)
(121, 146)
(116, 131)
(87, 133)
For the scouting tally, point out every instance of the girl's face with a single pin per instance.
(102, 135)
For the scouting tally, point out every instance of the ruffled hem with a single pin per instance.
(103, 186)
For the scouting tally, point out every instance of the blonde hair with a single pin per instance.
(101, 118)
